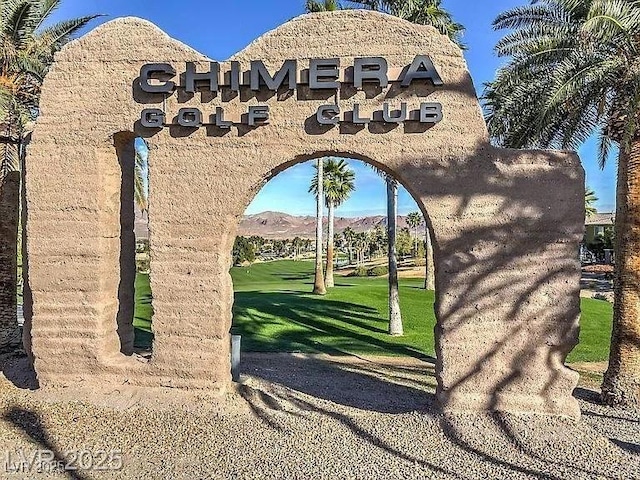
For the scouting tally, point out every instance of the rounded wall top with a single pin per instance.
(127, 39)
(344, 33)
(115, 52)
(350, 33)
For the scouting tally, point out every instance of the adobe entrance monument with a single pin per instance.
(506, 224)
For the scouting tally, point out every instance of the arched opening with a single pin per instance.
(337, 346)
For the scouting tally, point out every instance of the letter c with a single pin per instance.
(328, 114)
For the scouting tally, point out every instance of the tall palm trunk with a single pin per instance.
(395, 319)
(621, 384)
(429, 274)
(318, 284)
(10, 335)
(328, 276)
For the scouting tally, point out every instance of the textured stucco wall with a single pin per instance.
(506, 224)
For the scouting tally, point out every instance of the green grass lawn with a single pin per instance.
(273, 311)
(143, 312)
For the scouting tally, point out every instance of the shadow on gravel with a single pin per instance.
(375, 440)
(359, 385)
(593, 399)
(588, 396)
(364, 385)
(30, 424)
(628, 446)
(254, 398)
(18, 369)
(538, 439)
(520, 446)
(455, 429)
(523, 434)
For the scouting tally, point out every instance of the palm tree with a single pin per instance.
(297, 244)
(423, 12)
(318, 283)
(414, 219)
(572, 72)
(349, 237)
(140, 178)
(27, 47)
(378, 237)
(26, 52)
(339, 183)
(589, 202)
(395, 317)
(313, 6)
(429, 267)
(361, 245)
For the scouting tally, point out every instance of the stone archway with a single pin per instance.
(506, 224)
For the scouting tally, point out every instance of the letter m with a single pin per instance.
(259, 72)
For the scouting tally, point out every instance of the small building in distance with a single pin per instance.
(597, 224)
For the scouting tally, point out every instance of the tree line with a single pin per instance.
(356, 247)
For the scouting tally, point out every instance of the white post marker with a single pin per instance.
(235, 357)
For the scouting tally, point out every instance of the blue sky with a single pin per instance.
(220, 28)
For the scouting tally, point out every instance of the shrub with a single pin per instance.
(378, 271)
(143, 264)
(420, 262)
(359, 271)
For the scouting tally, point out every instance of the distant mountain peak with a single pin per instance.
(281, 225)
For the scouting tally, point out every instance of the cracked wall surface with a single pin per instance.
(506, 224)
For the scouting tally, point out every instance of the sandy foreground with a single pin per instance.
(300, 416)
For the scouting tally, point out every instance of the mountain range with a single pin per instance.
(279, 225)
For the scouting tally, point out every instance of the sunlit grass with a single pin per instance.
(275, 311)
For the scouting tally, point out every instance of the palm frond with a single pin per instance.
(6, 97)
(338, 181)
(570, 73)
(17, 26)
(423, 12)
(9, 159)
(589, 201)
(47, 7)
(26, 54)
(315, 6)
(53, 37)
(531, 15)
(604, 147)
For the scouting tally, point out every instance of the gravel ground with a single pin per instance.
(299, 417)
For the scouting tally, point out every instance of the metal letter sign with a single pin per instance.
(322, 74)
(211, 77)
